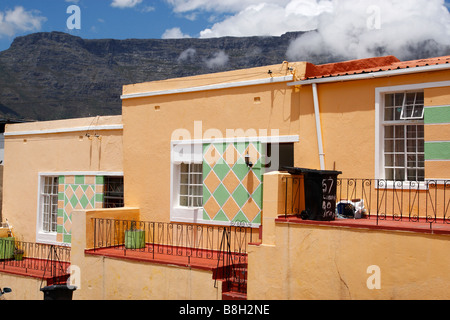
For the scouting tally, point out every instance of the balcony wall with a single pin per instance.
(325, 260)
(112, 278)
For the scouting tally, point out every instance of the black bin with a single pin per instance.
(58, 292)
(320, 193)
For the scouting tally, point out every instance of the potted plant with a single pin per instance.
(134, 238)
(18, 254)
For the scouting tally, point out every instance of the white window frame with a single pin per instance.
(380, 92)
(193, 180)
(184, 152)
(406, 117)
(191, 151)
(42, 235)
(403, 151)
(51, 237)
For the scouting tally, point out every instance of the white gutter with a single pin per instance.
(318, 127)
(373, 75)
(65, 130)
(209, 87)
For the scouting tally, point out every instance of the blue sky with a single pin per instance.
(122, 19)
(99, 19)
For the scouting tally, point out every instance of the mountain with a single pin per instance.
(48, 76)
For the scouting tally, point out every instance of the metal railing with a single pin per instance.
(37, 259)
(176, 239)
(414, 201)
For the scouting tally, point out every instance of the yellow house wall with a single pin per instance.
(150, 122)
(102, 278)
(28, 155)
(323, 262)
(437, 130)
(316, 263)
(23, 288)
(347, 111)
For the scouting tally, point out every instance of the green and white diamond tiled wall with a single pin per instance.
(232, 192)
(76, 192)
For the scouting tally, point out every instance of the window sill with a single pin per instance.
(401, 185)
(47, 238)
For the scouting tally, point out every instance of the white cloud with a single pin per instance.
(187, 54)
(269, 19)
(359, 29)
(218, 60)
(125, 3)
(174, 33)
(20, 20)
(346, 28)
(228, 6)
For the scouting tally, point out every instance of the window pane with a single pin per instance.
(420, 146)
(410, 98)
(184, 178)
(184, 190)
(389, 100)
(389, 173)
(389, 160)
(113, 192)
(420, 131)
(411, 131)
(404, 143)
(197, 190)
(399, 146)
(389, 146)
(420, 175)
(412, 175)
(184, 168)
(399, 174)
(412, 160)
(389, 132)
(389, 114)
(399, 132)
(196, 202)
(411, 145)
(400, 160)
(196, 168)
(399, 98)
(421, 161)
(49, 200)
(191, 185)
(184, 201)
(198, 179)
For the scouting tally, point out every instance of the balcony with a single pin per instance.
(378, 204)
(220, 249)
(42, 261)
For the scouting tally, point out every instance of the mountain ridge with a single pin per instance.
(55, 75)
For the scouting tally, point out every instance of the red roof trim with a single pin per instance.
(369, 65)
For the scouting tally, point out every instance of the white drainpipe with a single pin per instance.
(318, 127)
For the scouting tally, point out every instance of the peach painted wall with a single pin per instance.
(150, 122)
(27, 155)
(347, 111)
(317, 262)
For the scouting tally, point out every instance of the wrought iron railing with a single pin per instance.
(176, 239)
(415, 201)
(36, 259)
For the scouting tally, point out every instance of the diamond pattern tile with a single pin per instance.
(231, 181)
(211, 182)
(234, 191)
(230, 208)
(75, 193)
(251, 182)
